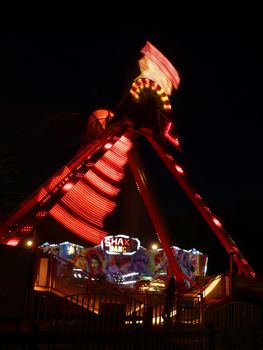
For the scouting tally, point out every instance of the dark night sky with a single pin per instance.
(52, 80)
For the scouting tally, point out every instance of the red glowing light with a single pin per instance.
(13, 242)
(167, 134)
(82, 229)
(235, 249)
(179, 169)
(207, 209)
(198, 196)
(155, 66)
(84, 208)
(108, 145)
(41, 214)
(244, 261)
(144, 83)
(68, 186)
(216, 222)
(101, 184)
(27, 228)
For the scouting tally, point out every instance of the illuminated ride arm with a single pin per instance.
(143, 186)
(157, 68)
(215, 224)
(54, 196)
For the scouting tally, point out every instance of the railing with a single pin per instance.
(57, 275)
(91, 314)
(118, 322)
(95, 316)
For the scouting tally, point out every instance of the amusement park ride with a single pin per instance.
(84, 192)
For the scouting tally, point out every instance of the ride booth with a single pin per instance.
(122, 260)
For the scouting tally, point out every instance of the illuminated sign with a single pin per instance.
(120, 244)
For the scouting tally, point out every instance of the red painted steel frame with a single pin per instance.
(160, 231)
(144, 190)
(19, 217)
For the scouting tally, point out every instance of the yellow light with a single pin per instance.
(154, 246)
(71, 250)
(211, 286)
(29, 243)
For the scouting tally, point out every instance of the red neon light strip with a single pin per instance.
(155, 63)
(106, 167)
(167, 134)
(82, 229)
(85, 213)
(83, 205)
(98, 182)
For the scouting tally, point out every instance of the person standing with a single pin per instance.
(169, 297)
